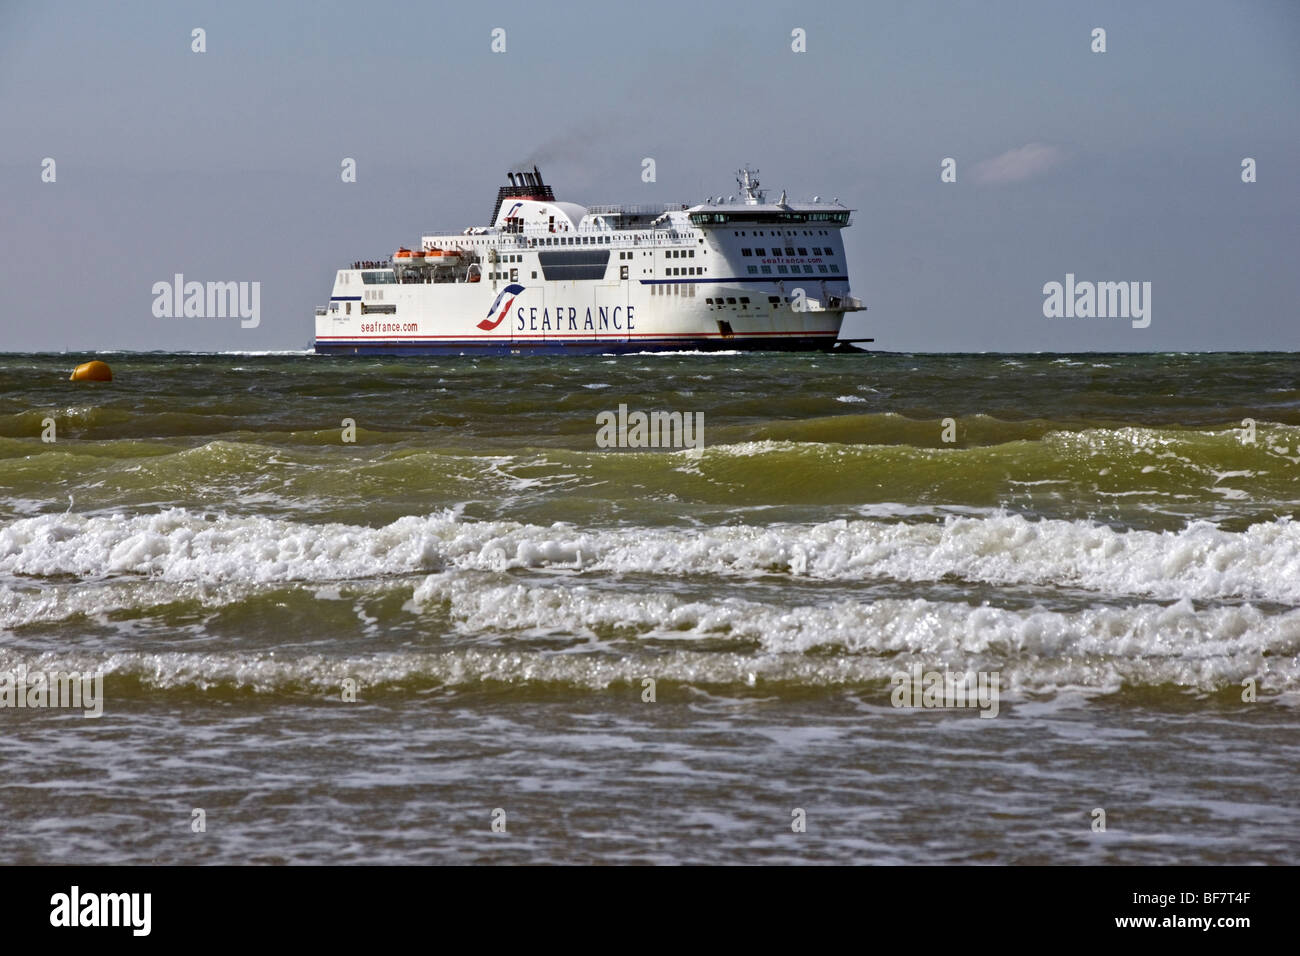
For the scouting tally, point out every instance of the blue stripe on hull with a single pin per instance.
(793, 344)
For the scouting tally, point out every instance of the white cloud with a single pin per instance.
(1025, 162)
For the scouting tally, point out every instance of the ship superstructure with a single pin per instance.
(554, 276)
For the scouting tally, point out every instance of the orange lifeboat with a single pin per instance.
(403, 257)
(442, 257)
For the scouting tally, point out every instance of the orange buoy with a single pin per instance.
(91, 372)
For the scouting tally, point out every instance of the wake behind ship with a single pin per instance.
(557, 277)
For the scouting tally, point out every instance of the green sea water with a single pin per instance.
(234, 540)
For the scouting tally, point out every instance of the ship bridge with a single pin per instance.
(753, 208)
(774, 214)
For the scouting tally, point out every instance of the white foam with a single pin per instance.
(22, 606)
(1097, 650)
(1200, 561)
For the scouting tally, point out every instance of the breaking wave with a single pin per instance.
(1199, 561)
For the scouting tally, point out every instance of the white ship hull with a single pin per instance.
(568, 316)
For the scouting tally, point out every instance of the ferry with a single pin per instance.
(550, 276)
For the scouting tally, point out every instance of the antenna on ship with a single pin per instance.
(747, 180)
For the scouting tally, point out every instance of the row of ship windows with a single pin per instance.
(740, 216)
(720, 302)
(788, 232)
(575, 241)
(787, 270)
(545, 241)
(789, 251)
(668, 254)
(693, 271)
(688, 290)
(570, 241)
(731, 300)
(601, 240)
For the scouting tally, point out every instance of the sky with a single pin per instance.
(225, 165)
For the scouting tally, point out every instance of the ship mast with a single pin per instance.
(747, 180)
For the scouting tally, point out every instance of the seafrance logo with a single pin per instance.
(489, 323)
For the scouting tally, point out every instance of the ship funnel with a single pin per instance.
(523, 185)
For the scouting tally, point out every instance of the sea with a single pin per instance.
(887, 609)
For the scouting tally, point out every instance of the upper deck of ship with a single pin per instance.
(745, 239)
(528, 214)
